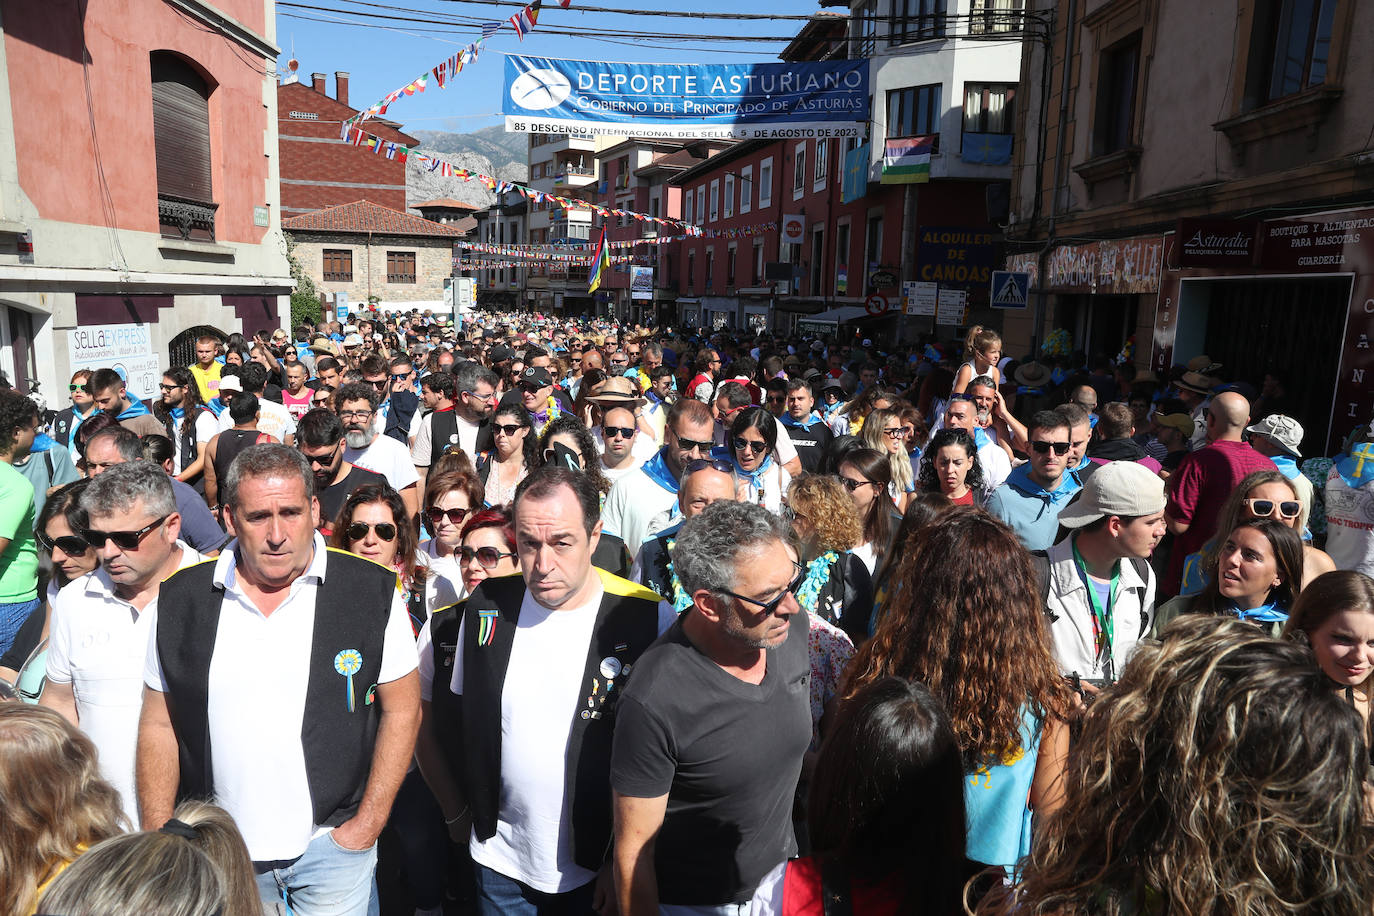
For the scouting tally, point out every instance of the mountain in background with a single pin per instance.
(489, 151)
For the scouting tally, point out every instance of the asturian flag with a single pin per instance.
(601, 262)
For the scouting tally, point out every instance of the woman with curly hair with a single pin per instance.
(55, 804)
(1255, 575)
(837, 592)
(374, 525)
(971, 626)
(885, 433)
(950, 466)
(1221, 776)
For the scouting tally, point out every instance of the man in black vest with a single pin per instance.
(474, 403)
(281, 682)
(438, 431)
(526, 721)
(712, 728)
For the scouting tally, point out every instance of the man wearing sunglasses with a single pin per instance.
(548, 652)
(714, 724)
(623, 446)
(101, 622)
(640, 503)
(704, 481)
(1036, 492)
(281, 682)
(320, 438)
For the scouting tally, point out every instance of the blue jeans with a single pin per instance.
(12, 617)
(327, 880)
(498, 895)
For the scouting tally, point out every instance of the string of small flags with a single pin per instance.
(521, 23)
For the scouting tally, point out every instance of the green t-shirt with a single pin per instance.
(19, 561)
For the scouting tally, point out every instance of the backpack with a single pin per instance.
(1040, 560)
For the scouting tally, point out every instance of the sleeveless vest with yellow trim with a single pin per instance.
(339, 727)
(626, 625)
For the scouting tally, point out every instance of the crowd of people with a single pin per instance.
(550, 616)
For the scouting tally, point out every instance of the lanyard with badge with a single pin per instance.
(1104, 626)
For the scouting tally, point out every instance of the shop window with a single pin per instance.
(914, 112)
(181, 148)
(1289, 50)
(1117, 76)
(918, 20)
(400, 267)
(338, 265)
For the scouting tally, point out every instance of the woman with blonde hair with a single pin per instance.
(983, 347)
(53, 802)
(885, 433)
(153, 873)
(211, 830)
(970, 625)
(1220, 776)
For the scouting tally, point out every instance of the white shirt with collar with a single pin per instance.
(258, 679)
(97, 643)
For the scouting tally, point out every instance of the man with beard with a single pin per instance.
(111, 396)
(320, 438)
(356, 406)
(804, 426)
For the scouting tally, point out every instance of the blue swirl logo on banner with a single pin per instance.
(711, 101)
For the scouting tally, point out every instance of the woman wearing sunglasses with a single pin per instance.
(450, 500)
(950, 466)
(750, 447)
(374, 525)
(1263, 494)
(1255, 575)
(487, 549)
(25, 664)
(514, 454)
(885, 433)
(866, 474)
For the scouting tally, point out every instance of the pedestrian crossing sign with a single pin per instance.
(1010, 289)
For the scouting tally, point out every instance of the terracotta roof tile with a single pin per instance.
(448, 202)
(365, 216)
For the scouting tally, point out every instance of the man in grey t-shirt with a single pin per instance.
(711, 729)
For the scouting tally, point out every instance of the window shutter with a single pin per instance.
(181, 129)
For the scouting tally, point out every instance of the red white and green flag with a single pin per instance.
(907, 160)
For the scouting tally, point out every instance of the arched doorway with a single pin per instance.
(182, 350)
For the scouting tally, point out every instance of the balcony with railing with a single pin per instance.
(568, 175)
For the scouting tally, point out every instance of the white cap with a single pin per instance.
(230, 383)
(1122, 488)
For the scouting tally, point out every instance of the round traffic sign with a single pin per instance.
(876, 304)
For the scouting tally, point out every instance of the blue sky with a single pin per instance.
(381, 55)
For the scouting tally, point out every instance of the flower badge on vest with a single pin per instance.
(348, 663)
(486, 626)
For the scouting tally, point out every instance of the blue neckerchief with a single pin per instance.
(1265, 613)
(1058, 375)
(41, 443)
(1029, 390)
(1287, 466)
(787, 420)
(135, 409)
(215, 406)
(656, 468)
(829, 411)
(177, 412)
(980, 438)
(755, 478)
(1021, 479)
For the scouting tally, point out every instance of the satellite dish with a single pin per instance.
(293, 65)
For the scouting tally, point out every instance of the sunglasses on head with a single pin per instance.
(618, 432)
(1264, 508)
(767, 607)
(69, 544)
(358, 530)
(437, 515)
(1060, 448)
(506, 429)
(124, 540)
(753, 445)
(487, 556)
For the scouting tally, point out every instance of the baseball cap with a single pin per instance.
(1285, 432)
(1179, 421)
(1116, 488)
(230, 383)
(500, 354)
(534, 375)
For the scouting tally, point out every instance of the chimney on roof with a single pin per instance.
(317, 82)
(341, 86)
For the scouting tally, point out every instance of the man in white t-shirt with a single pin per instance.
(961, 413)
(356, 405)
(540, 662)
(621, 445)
(101, 621)
(273, 418)
(179, 406)
(300, 726)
